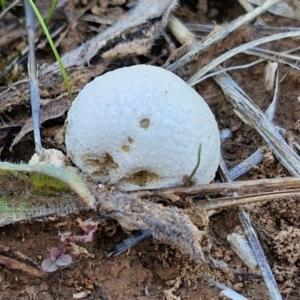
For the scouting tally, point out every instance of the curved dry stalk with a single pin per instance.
(246, 199)
(220, 35)
(247, 186)
(196, 78)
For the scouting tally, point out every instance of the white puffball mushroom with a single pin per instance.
(140, 127)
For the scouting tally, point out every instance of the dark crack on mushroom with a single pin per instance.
(141, 178)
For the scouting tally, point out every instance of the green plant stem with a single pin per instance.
(2, 4)
(54, 50)
(50, 12)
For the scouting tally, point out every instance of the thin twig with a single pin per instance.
(246, 165)
(33, 81)
(246, 199)
(247, 186)
(196, 78)
(220, 35)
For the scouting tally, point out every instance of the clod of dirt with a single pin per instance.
(52, 157)
(140, 127)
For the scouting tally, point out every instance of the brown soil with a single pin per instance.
(152, 270)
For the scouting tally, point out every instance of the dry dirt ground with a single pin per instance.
(152, 270)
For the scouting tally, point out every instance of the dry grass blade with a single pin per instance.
(220, 35)
(249, 186)
(230, 69)
(260, 257)
(249, 113)
(33, 80)
(273, 56)
(246, 165)
(12, 264)
(246, 199)
(137, 20)
(196, 78)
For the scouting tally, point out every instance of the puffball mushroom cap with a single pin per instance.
(140, 127)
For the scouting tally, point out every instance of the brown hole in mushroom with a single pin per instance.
(130, 140)
(101, 167)
(110, 161)
(140, 178)
(145, 123)
(126, 148)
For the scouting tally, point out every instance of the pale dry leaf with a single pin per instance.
(133, 35)
(284, 8)
(51, 110)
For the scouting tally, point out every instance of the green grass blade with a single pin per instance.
(54, 50)
(50, 12)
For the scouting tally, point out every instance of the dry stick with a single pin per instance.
(14, 259)
(265, 55)
(181, 32)
(249, 113)
(249, 186)
(260, 257)
(196, 78)
(246, 165)
(283, 54)
(13, 264)
(245, 199)
(33, 82)
(220, 35)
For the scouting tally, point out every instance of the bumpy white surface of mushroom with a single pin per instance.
(140, 127)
